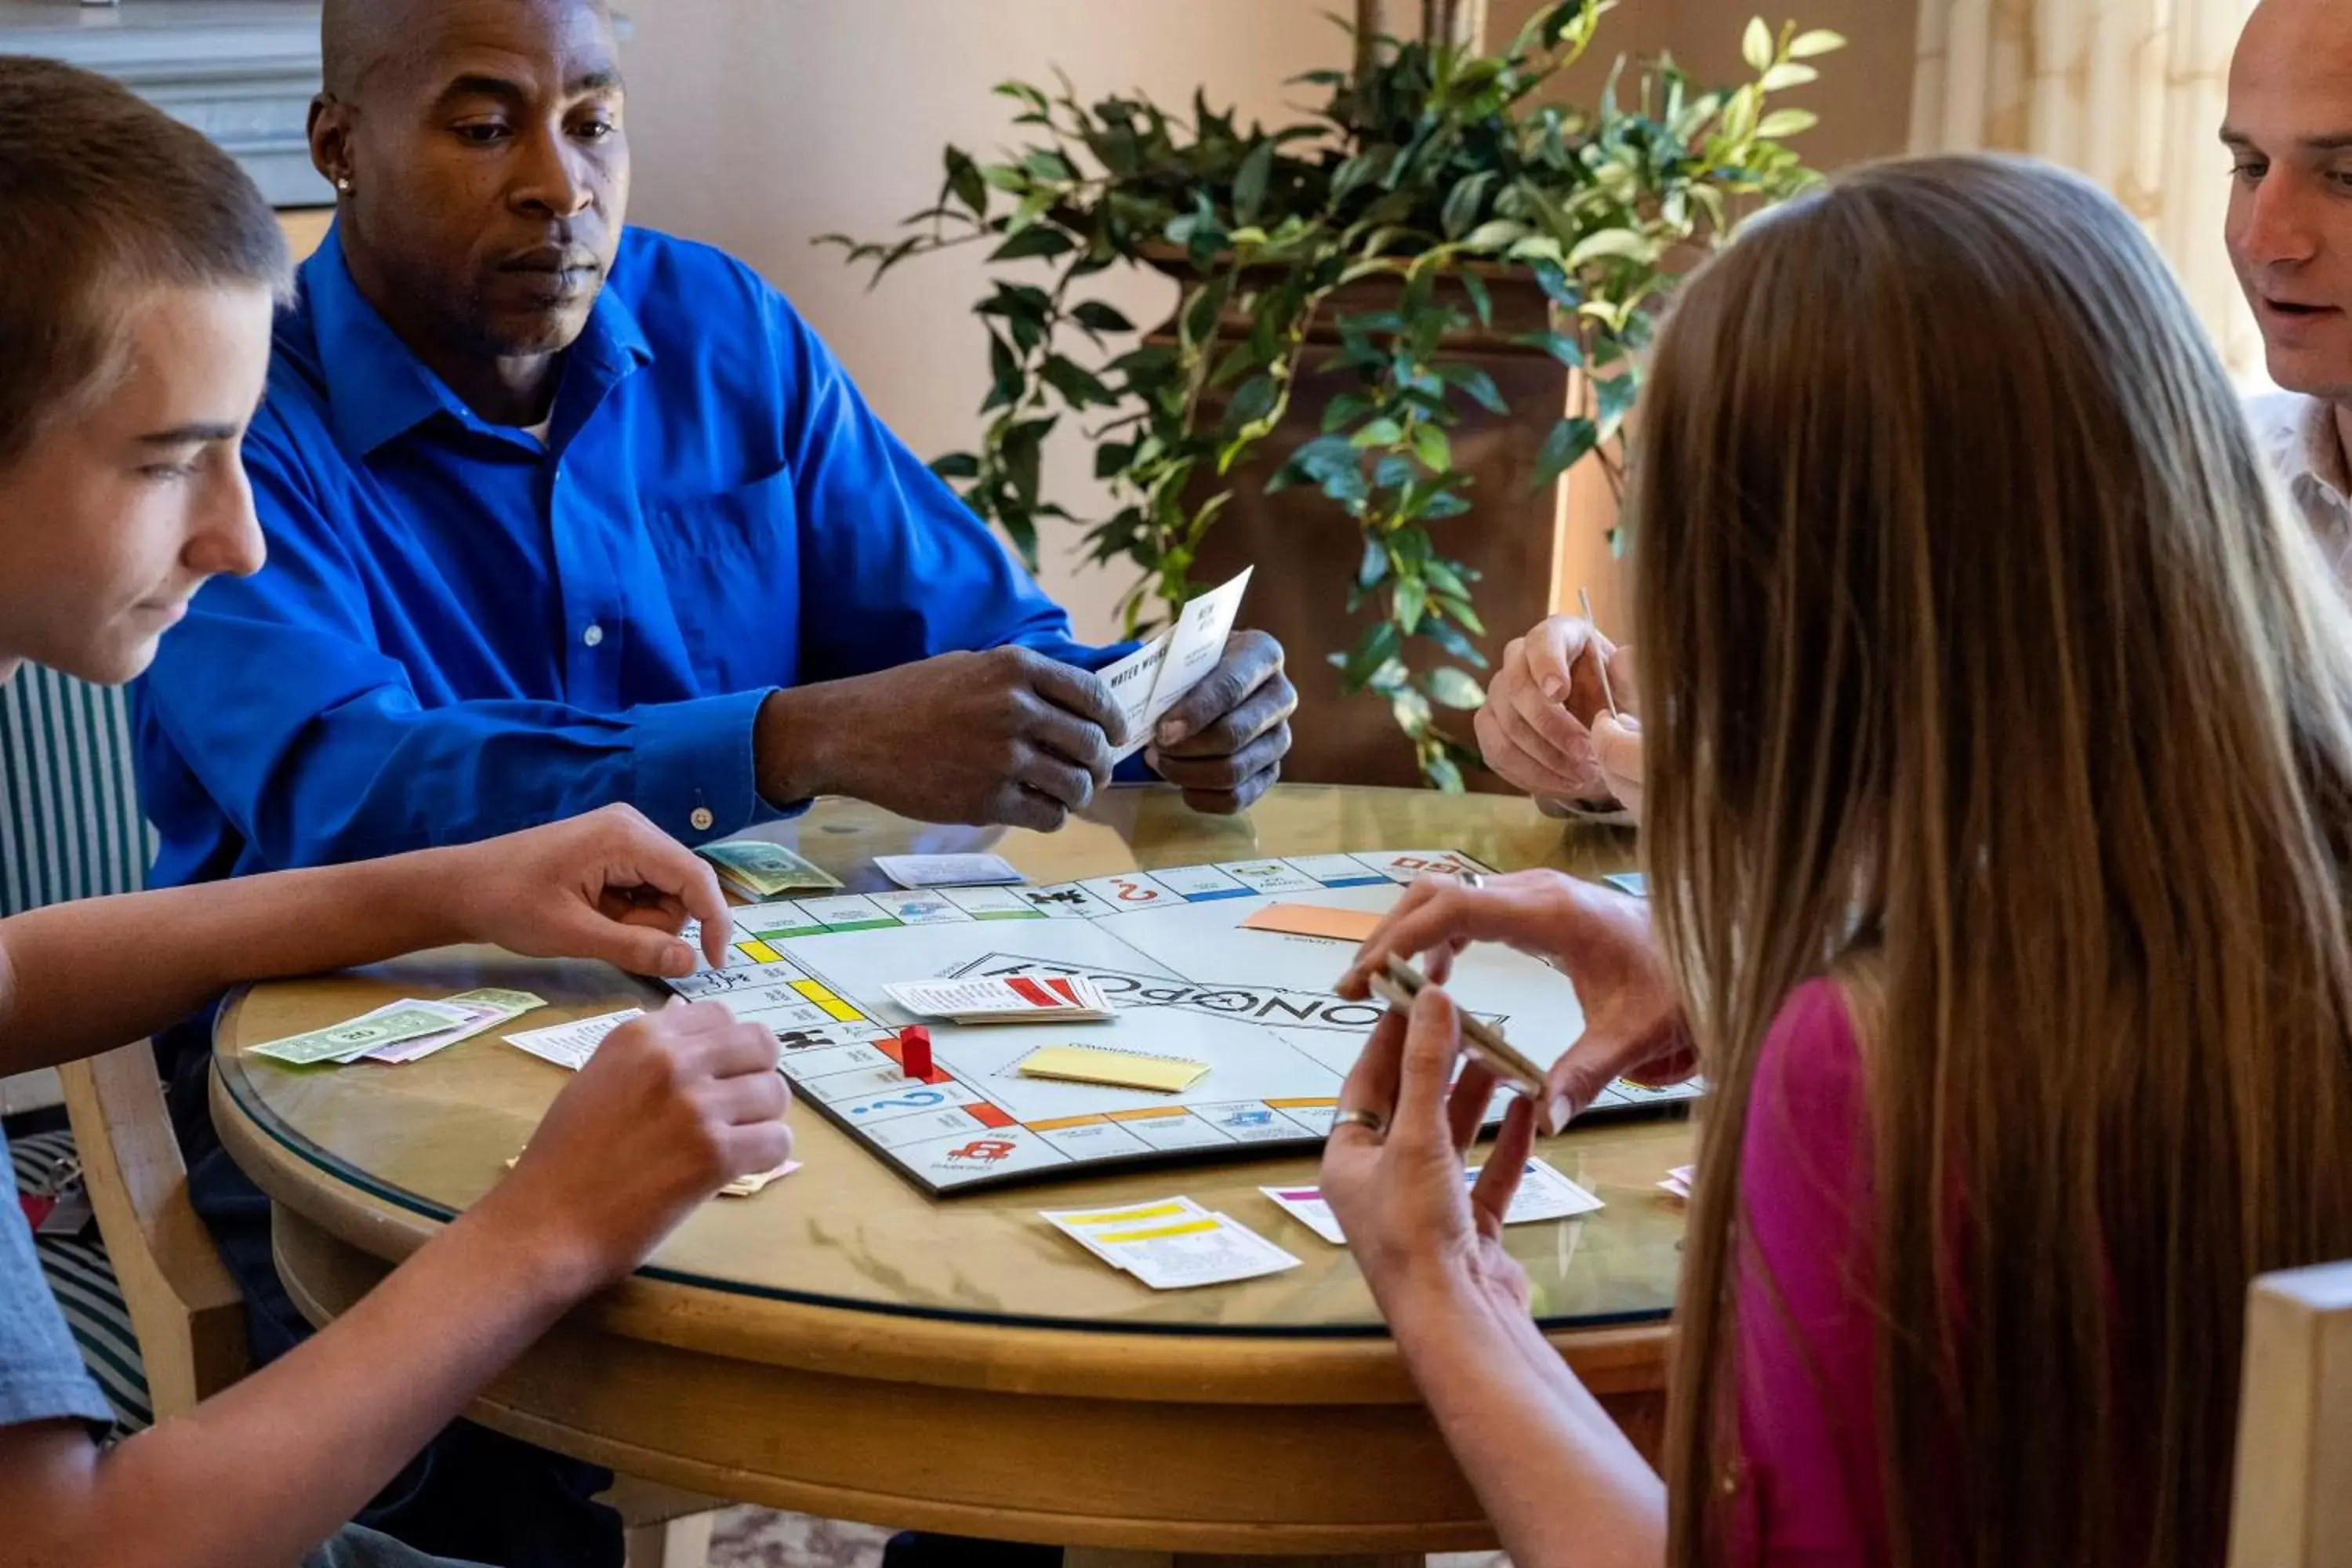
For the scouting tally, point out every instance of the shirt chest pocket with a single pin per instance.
(732, 561)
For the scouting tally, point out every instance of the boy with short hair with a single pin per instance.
(138, 272)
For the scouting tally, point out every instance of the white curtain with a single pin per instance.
(2131, 92)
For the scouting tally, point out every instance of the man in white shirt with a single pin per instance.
(2289, 135)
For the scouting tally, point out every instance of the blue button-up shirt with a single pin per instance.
(461, 632)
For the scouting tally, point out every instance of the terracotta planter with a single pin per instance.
(1306, 549)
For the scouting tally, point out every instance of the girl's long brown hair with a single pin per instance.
(1977, 660)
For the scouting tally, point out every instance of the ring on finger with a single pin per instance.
(1371, 1121)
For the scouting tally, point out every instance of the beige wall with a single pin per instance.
(758, 124)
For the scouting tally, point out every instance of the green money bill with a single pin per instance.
(386, 1025)
(766, 869)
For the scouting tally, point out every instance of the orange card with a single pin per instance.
(1310, 920)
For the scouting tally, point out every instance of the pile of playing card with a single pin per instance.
(948, 870)
(1005, 999)
(403, 1031)
(761, 870)
(1171, 1243)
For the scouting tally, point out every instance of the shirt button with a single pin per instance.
(702, 819)
(592, 636)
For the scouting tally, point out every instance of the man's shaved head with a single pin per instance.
(476, 149)
(2289, 135)
(359, 37)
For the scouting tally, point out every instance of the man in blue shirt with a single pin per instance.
(559, 516)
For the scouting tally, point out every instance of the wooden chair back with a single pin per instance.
(2292, 1498)
(184, 1305)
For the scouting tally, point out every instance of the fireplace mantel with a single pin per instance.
(242, 71)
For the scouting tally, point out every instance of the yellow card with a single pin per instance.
(1123, 1069)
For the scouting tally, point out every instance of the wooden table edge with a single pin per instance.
(1222, 1367)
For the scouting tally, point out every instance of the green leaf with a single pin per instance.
(1374, 566)
(1410, 599)
(1457, 689)
(1374, 648)
(1625, 242)
(1430, 445)
(1033, 208)
(1451, 639)
(1440, 770)
(1253, 402)
(1344, 409)
(1463, 202)
(1476, 382)
(1780, 78)
(1249, 185)
(1820, 41)
(1318, 462)
(1382, 432)
(1614, 398)
(1480, 300)
(1756, 45)
(1443, 579)
(956, 466)
(1409, 707)
(1461, 610)
(963, 179)
(1007, 383)
(1038, 240)
(1786, 122)
(1495, 234)
(1199, 323)
(1047, 165)
(1097, 317)
(1559, 345)
(1570, 443)
(1079, 386)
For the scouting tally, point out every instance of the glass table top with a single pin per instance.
(844, 1231)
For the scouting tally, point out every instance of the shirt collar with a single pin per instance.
(377, 389)
(2298, 436)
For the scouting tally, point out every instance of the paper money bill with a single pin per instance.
(763, 869)
(490, 1006)
(394, 1022)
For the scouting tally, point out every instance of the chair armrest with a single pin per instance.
(184, 1304)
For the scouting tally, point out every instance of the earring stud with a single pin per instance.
(343, 183)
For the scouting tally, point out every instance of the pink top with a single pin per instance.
(1809, 1494)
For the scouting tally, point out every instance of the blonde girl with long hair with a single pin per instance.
(1999, 757)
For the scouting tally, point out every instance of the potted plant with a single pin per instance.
(1440, 249)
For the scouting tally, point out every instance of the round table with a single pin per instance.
(843, 1346)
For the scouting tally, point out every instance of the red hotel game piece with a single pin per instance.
(915, 1051)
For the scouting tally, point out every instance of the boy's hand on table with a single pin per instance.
(608, 885)
(672, 1107)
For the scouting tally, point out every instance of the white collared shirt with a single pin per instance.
(2298, 436)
